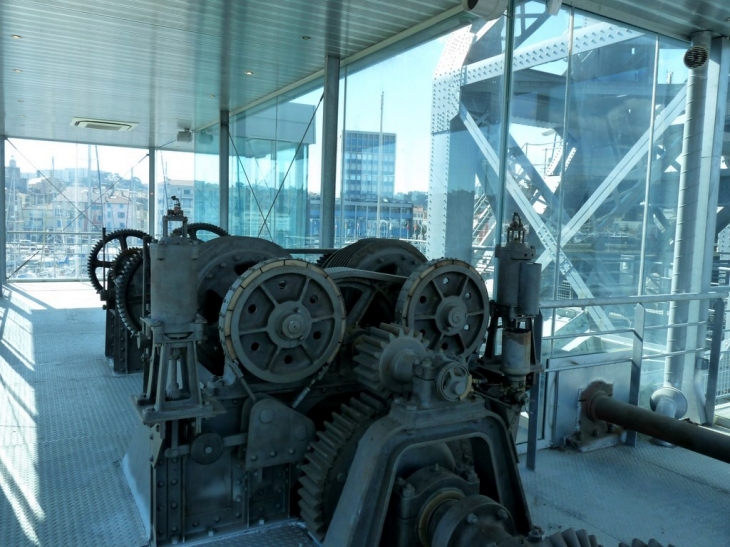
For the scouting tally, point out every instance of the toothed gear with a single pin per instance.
(122, 259)
(639, 543)
(447, 301)
(105, 250)
(329, 460)
(195, 227)
(571, 538)
(385, 355)
(129, 293)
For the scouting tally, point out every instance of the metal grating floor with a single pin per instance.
(65, 422)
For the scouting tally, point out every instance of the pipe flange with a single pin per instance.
(674, 395)
(591, 393)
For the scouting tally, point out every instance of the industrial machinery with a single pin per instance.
(357, 396)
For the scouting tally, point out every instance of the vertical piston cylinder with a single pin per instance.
(173, 283)
(528, 298)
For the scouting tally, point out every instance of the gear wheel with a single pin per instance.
(639, 543)
(122, 259)
(117, 242)
(447, 301)
(385, 356)
(196, 227)
(329, 460)
(129, 292)
(570, 538)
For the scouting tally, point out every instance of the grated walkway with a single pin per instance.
(65, 422)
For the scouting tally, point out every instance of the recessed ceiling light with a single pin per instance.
(249, 73)
(22, 116)
(306, 37)
(16, 36)
(212, 96)
(17, 70)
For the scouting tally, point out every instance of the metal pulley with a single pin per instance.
(282, 320)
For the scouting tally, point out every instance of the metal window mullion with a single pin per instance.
(223, 168)
(649, 162)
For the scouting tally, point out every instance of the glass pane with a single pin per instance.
(387, 145)
(59, 197)
(271, 172)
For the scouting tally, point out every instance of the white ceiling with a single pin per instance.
(174, 64)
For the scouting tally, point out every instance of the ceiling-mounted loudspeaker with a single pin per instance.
(696, 57)
(485, 9)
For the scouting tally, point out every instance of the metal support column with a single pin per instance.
(223, 175)
(152, 158)
(329, 151)
(3, 220)
(696, 215)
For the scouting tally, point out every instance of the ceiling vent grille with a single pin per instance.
(105, 125)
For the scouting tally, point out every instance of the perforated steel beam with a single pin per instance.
(585, 39)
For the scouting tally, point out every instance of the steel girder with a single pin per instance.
(617, 175)
(533, 218)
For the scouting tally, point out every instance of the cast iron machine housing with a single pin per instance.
(352, 395)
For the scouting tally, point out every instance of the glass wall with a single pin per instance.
(59, 198)
(594, 139)
(275, 171)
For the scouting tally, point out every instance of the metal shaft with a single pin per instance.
(684, 434)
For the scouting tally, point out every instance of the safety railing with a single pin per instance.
(710, 378)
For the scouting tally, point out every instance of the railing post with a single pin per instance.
(636, 362)
(714, 364)
(535, 396)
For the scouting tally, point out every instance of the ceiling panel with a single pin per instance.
(172, 64)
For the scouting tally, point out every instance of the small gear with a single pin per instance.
(329, 460)
(385, 356)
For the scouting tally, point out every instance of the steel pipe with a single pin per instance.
(601, 406)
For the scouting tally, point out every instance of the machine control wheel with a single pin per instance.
(282, 320)
(447, 301)
(106, 250)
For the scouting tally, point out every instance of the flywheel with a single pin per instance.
(447, 301)
(282, 320)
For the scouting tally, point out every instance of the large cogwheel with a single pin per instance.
(330, 458)
(105, 250)
(129, 293)
(385, 357)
